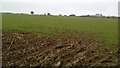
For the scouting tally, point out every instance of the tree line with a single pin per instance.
(96, 15)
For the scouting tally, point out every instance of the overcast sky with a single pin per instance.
(64, 7)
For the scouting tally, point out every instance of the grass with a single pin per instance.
(102, 28)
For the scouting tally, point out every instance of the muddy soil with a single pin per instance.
(26, 49)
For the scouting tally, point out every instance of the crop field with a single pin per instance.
(106, 29)
(41, 40)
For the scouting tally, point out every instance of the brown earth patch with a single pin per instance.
(26, 49)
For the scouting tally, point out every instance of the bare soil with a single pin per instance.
(26, 49)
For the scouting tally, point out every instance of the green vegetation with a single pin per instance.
(102, 28)
(0, 21)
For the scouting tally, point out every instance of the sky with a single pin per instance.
(64, 7)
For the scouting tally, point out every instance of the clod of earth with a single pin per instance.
(26, 49)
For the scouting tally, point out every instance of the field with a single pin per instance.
(106, 29)
(82, 36)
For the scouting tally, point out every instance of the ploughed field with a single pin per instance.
(25, 49)
(33, 40)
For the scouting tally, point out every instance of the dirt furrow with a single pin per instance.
(26, 49)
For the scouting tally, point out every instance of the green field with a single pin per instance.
(101, 28)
